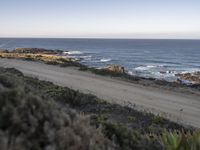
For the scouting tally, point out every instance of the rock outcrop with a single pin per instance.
(36, 51)
(193, 77)
(116, 68)
(53, 57)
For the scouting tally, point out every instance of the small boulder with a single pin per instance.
(193, 77)
(116, 68)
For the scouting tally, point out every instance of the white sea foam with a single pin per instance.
(86, 58)
(167, 74)
(191, 70)
(105, 59)
(131, 73)
(148, 67)
(143, 68)
(73, 52)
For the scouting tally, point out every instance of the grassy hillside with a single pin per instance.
(38, 115)
(31, 121)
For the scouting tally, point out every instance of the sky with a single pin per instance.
(100, 18)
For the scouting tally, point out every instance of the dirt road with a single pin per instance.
(179, 107)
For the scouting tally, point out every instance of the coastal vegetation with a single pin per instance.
(40, 115)
(30, 120)
(177, 140)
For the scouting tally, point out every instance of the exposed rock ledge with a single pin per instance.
(36, 51)
(39, 54)
(116, 68)
(193, 77)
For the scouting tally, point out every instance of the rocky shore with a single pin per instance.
(37, 50)
(53, 57)
(194, 77)
(57, 57)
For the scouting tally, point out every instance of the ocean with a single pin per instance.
(143, 57)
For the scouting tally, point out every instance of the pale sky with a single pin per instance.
(100, 18)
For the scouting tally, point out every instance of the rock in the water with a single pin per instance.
(116, 68)
(193, 77)
(36, 50)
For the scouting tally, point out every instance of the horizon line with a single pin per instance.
(125, 38)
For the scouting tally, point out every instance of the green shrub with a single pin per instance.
(125, 138)
(176, 140)
(30, 122)
(26, 104)
(106, 72)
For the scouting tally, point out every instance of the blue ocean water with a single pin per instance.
(144, 57)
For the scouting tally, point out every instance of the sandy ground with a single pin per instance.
(179, 107)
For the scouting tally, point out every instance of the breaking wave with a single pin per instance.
(105, 59)
(73, 52)
(143, 68)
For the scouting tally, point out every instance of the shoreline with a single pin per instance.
(158, 100)
(56, 57)
(144, 81)
(65, 58)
